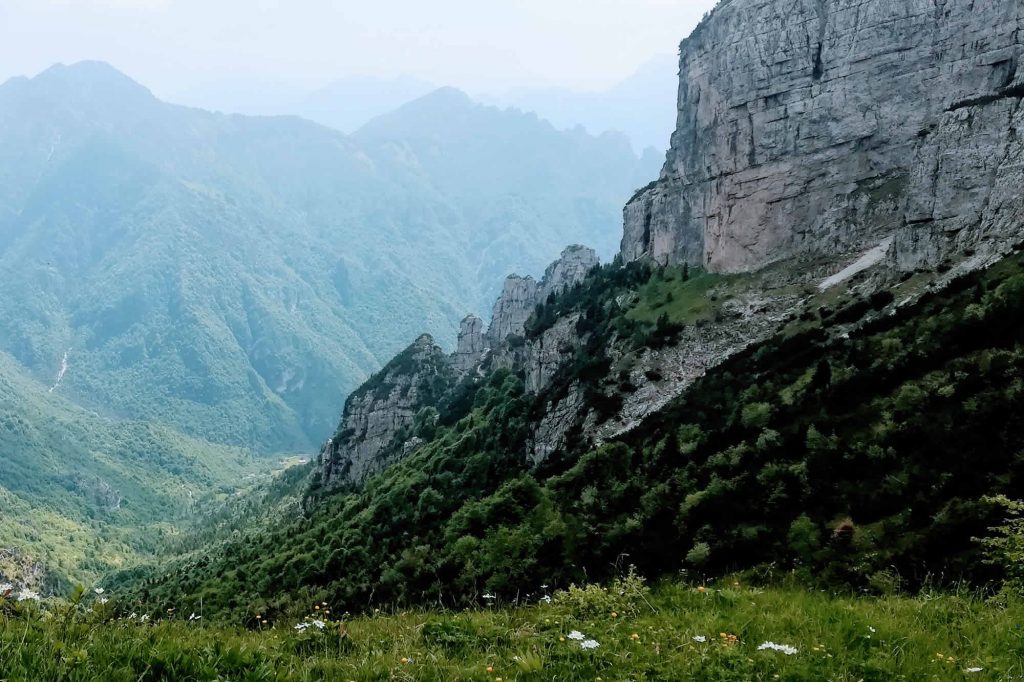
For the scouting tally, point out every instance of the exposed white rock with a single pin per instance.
(518, 298)
(383, 409)
(868, 260)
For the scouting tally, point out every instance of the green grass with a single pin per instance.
(684, 301)
(840, 638)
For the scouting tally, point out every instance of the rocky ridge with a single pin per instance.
(376, 425)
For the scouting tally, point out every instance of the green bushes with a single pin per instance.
(625, 596)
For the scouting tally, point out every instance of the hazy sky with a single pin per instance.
(483, 45)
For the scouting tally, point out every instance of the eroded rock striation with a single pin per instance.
(471, 344)
(821, 127)
(521, 295)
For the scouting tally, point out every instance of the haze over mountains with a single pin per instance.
(234, 277)
(641, 106)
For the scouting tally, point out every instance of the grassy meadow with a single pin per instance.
(727, 630)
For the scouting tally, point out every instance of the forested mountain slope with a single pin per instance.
(836, 448)
(805, 355)
(82, 494)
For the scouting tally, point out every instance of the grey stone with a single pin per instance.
(377, 416)
(819, 127)
(471, 345)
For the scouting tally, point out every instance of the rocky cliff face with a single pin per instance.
(518, 298)
(471, 345)
(378, 417)
(821, 127)
(522, 294)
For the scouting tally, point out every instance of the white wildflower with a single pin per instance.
(318, 624)
(99, 590)
(974, 670)
(700, 639)
(194, 616)
(546, 599)
(27, 594)
(489, 596)
(577, 635)
(5, 588)
(589, 644)
(301, 626)
(132, 615)
(543, 587)
(784, 648)
(102, 600)
(145, 617)
(872, 629)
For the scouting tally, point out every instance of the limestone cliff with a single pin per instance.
(820, 127)
(471, 345)
(378, 417)
(522, 294)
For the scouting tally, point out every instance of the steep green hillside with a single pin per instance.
(82, 494)
(858, 459)
(234, 277)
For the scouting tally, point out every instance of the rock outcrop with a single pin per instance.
(521, 295)
(821, 127)
(518, 298)
(820, 143)
(570, 269)
(377, 423)
(378, 417)
(471, 345)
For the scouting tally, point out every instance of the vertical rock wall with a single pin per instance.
(818, 127)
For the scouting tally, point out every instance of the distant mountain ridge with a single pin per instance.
(234, 276)
(640, 106)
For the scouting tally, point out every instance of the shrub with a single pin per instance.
(1005, 548)
(626, 595)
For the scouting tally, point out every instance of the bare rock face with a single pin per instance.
(521, 295)
(570, 269)
(471, 345)
(821, 127)
(546, 354)
(518, 298)
(559, 420)
(377, 424)
(378, 417)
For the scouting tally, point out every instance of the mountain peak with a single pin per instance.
(438, 109)
(445, 95)
(91, 78)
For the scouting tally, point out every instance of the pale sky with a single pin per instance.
(172, 46)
